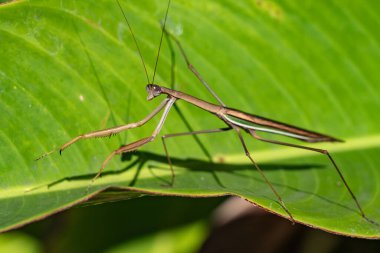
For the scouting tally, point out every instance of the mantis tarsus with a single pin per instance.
(235, 120)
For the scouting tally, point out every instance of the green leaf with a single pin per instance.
(71, 67)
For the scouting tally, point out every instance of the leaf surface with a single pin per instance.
(71, 67)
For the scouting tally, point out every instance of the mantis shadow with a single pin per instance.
(141, 158)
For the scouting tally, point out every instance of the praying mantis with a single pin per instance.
(234, 120)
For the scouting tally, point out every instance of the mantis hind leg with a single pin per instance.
(247, 153)
(321, 151)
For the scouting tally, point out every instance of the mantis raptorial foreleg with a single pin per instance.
(109, 131)
(135, 145)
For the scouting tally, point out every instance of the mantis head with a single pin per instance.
(153, 91)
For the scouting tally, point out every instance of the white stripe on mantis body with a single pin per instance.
(249, 125)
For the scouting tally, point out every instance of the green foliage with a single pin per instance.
(312, 64)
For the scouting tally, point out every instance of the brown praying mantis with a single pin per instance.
(235, 120)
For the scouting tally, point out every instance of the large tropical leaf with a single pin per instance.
(69, 67)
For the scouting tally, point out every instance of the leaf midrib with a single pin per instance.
(267, 155)
(364, 142)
